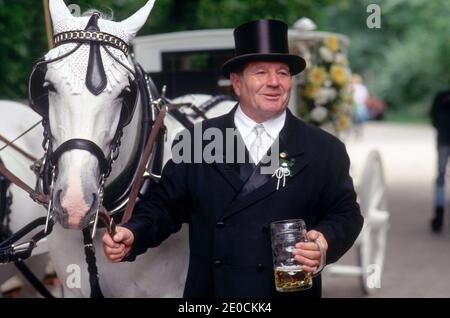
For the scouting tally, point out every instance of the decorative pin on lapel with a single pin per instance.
(284, 170)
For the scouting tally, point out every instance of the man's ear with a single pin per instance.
(235, 82)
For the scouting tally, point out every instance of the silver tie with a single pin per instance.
(256, 148)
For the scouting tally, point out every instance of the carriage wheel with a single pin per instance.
(372, 240)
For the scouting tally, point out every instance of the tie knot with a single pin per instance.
(259, 130)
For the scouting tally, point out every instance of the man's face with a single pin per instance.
(263, 89)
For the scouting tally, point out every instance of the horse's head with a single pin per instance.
(85, 90)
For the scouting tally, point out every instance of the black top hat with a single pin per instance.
(262, 40)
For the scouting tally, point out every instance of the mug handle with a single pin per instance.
(322, 258)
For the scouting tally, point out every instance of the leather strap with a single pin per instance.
(32, 279)
(89, 251)
(81, 144)
(91, 36)
(137, 184)
(95, 75)
(36, 196)
(16, 148)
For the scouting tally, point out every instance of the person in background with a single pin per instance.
(440, 118)
(360, 96)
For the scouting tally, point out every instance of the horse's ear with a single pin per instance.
(134, 23)
(58, 11)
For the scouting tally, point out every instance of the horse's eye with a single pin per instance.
(127, 89)
(49, 86)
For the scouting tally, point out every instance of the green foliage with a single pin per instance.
(22, 41)
(23, 38)
(405, 62)
(173, 15)
(417, 62)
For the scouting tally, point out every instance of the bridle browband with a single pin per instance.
(89, 37)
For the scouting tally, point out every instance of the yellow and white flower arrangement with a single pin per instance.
(325, 96)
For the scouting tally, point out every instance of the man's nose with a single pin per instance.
(273, 79)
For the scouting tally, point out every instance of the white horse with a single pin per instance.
(148, 274)
(75, 112)
(16, 118)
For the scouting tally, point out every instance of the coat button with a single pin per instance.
(217, 263)
(260, 267)
(265, 229)
(220, 225)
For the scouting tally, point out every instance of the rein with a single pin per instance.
(14, 253)
(10, 143)
(137, 184)
(38, 197)
(104, 217)
(39, 102)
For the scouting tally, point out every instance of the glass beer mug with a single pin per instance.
(289, 274)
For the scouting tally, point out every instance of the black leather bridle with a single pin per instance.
(96, 82)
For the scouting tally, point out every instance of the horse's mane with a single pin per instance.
(105, 16)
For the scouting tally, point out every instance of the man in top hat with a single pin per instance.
(229, 206)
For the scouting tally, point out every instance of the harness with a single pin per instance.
(47, 166)
(96, 82)
(5, 204)
(117, 196)
(197, 112)
(5, 233)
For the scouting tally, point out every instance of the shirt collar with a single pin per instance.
(245, 124)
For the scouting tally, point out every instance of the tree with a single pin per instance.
(22, 41)
(23, 38)
(404, 62)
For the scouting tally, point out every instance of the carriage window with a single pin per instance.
(194, 72)
(195, 60)
(188, 62)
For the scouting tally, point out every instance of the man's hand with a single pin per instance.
(115, 250)
(308, 254)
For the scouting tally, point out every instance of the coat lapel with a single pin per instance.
(258, 186)
(229, 170)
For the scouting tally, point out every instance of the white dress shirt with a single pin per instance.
(246, 127)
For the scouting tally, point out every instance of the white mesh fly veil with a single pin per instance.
(74, 66)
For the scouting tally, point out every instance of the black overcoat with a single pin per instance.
(229, 218)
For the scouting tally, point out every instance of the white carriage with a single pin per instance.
(174, 59)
